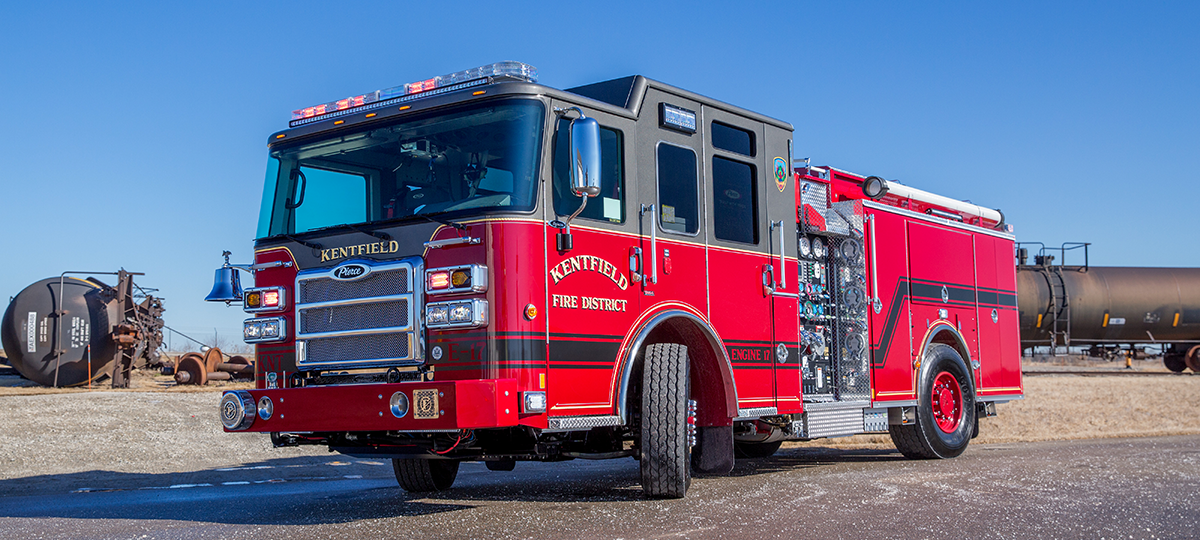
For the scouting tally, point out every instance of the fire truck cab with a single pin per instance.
(476, 267)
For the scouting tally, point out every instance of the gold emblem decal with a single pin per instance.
(425, 404)
(589, 263)
(376, 248)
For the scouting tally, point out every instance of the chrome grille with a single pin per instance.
(355, 317)
(360, 349)
(366, 322)
(377, 283)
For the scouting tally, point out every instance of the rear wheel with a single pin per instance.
(945, 409)
(756, 450)
(1175, 362)
(1193, 358)
(666, 454)
(424, 475)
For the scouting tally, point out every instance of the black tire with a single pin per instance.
(665, 453)
(424, 475)
(927, 439)
(1175, 362)
(755, 450)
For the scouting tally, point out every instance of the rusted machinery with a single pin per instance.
(68, 331)
(1108, 307)
(197, 369)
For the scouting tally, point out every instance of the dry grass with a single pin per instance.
(1073, 407)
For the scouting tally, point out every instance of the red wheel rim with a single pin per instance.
(946, 399)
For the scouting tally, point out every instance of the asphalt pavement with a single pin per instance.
(1104, 488)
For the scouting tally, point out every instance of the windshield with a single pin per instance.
(478, 158)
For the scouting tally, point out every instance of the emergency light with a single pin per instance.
(408, 92)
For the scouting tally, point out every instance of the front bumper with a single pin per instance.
(432, 406)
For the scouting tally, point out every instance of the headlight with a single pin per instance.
(461, 314)
(264, 330)
(456, 279)
(264, 299)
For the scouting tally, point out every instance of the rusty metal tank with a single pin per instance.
(66, 331)
(1109, 305)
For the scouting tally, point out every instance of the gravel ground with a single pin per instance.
(167, 431)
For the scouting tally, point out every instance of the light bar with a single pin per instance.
(406, 92)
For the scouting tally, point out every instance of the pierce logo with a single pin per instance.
(350, 272)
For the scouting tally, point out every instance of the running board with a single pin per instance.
(840, 421)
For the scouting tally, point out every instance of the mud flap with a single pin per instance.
(713, 453)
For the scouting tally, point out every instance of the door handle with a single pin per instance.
(876, 303)
(653, 242)
(635, 263)
(782, 261)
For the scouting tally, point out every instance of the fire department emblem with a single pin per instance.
(425, 404)
(780, 174)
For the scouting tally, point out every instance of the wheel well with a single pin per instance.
(946, 335)
(711, 377)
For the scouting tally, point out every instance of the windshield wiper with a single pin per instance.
(310, 245)
(380, 235)
(443, 221)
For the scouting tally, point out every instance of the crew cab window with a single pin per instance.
(735, 201)
(678, 192)
(609, 205)
(732, 139)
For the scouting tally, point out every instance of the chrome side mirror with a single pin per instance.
(584, 137)
(585, 157)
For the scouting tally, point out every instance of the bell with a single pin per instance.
(226, 287)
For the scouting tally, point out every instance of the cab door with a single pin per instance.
(593, 296)
(671, 211)
(744, 274)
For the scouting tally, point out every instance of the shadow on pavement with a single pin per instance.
(338, 489)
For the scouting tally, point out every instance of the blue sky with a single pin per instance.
(134, 133)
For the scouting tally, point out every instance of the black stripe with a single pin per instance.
(561, 350)
(933, 292)
(749, 342)
(879, 357)
(521, 366)
(586, 336)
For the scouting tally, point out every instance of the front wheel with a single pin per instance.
(425, 475)
(666, 452)
(945, 409)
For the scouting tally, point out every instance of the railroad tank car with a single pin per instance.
(1110, 306)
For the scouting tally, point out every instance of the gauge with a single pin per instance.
(805, 247)
(818, 248)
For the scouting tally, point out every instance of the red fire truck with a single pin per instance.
(476, 267)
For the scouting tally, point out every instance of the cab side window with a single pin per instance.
(609, 205)
(678, 192)
(735, 201)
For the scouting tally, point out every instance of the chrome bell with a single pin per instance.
(226, 286)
